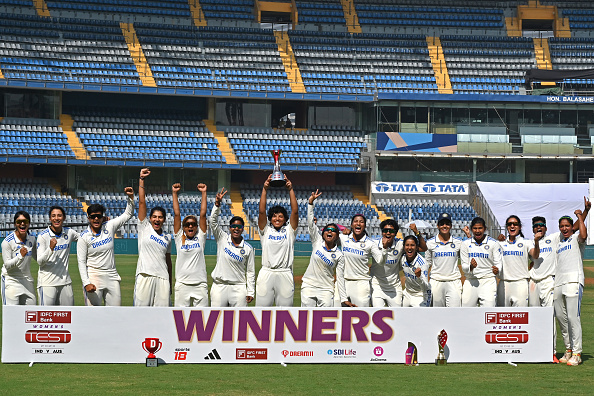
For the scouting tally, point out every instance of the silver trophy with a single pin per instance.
(278, 178)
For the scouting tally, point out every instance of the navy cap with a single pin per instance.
(444, 217)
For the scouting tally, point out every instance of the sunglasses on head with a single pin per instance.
(190, 224)
(237, 226)
(25, 221)
(539, 225)
(389, 230)
(95, 216)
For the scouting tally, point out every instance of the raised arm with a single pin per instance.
(583, 232)
(141, 194)
(294, 218)
(203, 202)
(422, 244)
(119, 221)
(176, 212)
(262, 218)
(214, 215)
(311, 225)
(587, 206)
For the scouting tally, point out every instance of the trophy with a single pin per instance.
(442, 338)
(278, 179)
(411, 355)
(151, 345)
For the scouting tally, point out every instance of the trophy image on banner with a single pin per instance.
(410, 358)
(151, 346)
(442, 338)
(278, 178)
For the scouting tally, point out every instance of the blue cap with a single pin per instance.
(444, 217)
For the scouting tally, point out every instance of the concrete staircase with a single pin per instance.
(41, 8)
(237, 210)
(223, 142)
(66, 122)
(542, 54)
(197, 13)
(137, 54)
(440, 69)
(289, 61)
(350, 15)
(359, 193)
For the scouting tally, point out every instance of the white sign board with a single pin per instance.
(273, 335)
(435, 189)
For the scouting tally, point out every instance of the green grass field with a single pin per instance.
(272, 379)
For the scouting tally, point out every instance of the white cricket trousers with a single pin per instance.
(416, 299)
(446, 293)
(56, 295)
(151, 291)
(480, 292)
(512, 293)
(275, 287)
(385, 296)
(228, 295)
(540, 294)
(567, 302)
(108, 288)
(191, 295)
(359, 292)
(16, 292)
(315, 297)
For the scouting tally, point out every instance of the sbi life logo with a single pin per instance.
(420, 188)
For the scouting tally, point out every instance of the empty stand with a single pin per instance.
(21, 137)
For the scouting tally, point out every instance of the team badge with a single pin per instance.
(395, 253)
(362, 245)
(486, 247)
(242, 251)
(333, 255)
(30, 244)
(548, 241)
(166, 238)
(105, 232)
(520, 245)
(453, 245)
(66, 236)
(283, 230)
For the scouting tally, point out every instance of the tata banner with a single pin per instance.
(273, 335)
(396, 188)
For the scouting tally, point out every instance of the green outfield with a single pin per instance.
(272, 379)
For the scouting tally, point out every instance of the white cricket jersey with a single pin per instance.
(190, 265)
(97, 250)
(357, 254)
(570, 267)
(235, 264)
(515, 259)
(486, 255)
(544, 265)
(16, 266)
(412, 283)
(278, 247)
(152, 248)
(442, 258)
(323, 262)
(386, 272)
(53, 264)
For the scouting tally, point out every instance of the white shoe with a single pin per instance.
(565, 358)
(575, 360)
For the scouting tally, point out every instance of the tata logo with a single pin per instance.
(48, 337)
(506, 337)
(429, 188)
(382, 187)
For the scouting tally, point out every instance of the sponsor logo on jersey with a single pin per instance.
(48, 317)
(213, 355)
(277, 237)
(564, 248)
(48, 336)
(160, 242)
(479, 255)
(234, 256)
(546, 250)
(286, 353)
(325, 259)
(506, 337)
(513, 253)
(351, 250)
(446, 254)
(101, 243)
(506, 317)
(60, 247)
(251, 354)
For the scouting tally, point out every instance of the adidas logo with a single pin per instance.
(214, 355)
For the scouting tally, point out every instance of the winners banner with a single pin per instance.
(274, 335)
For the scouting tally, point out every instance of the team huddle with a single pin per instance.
(347, 268)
